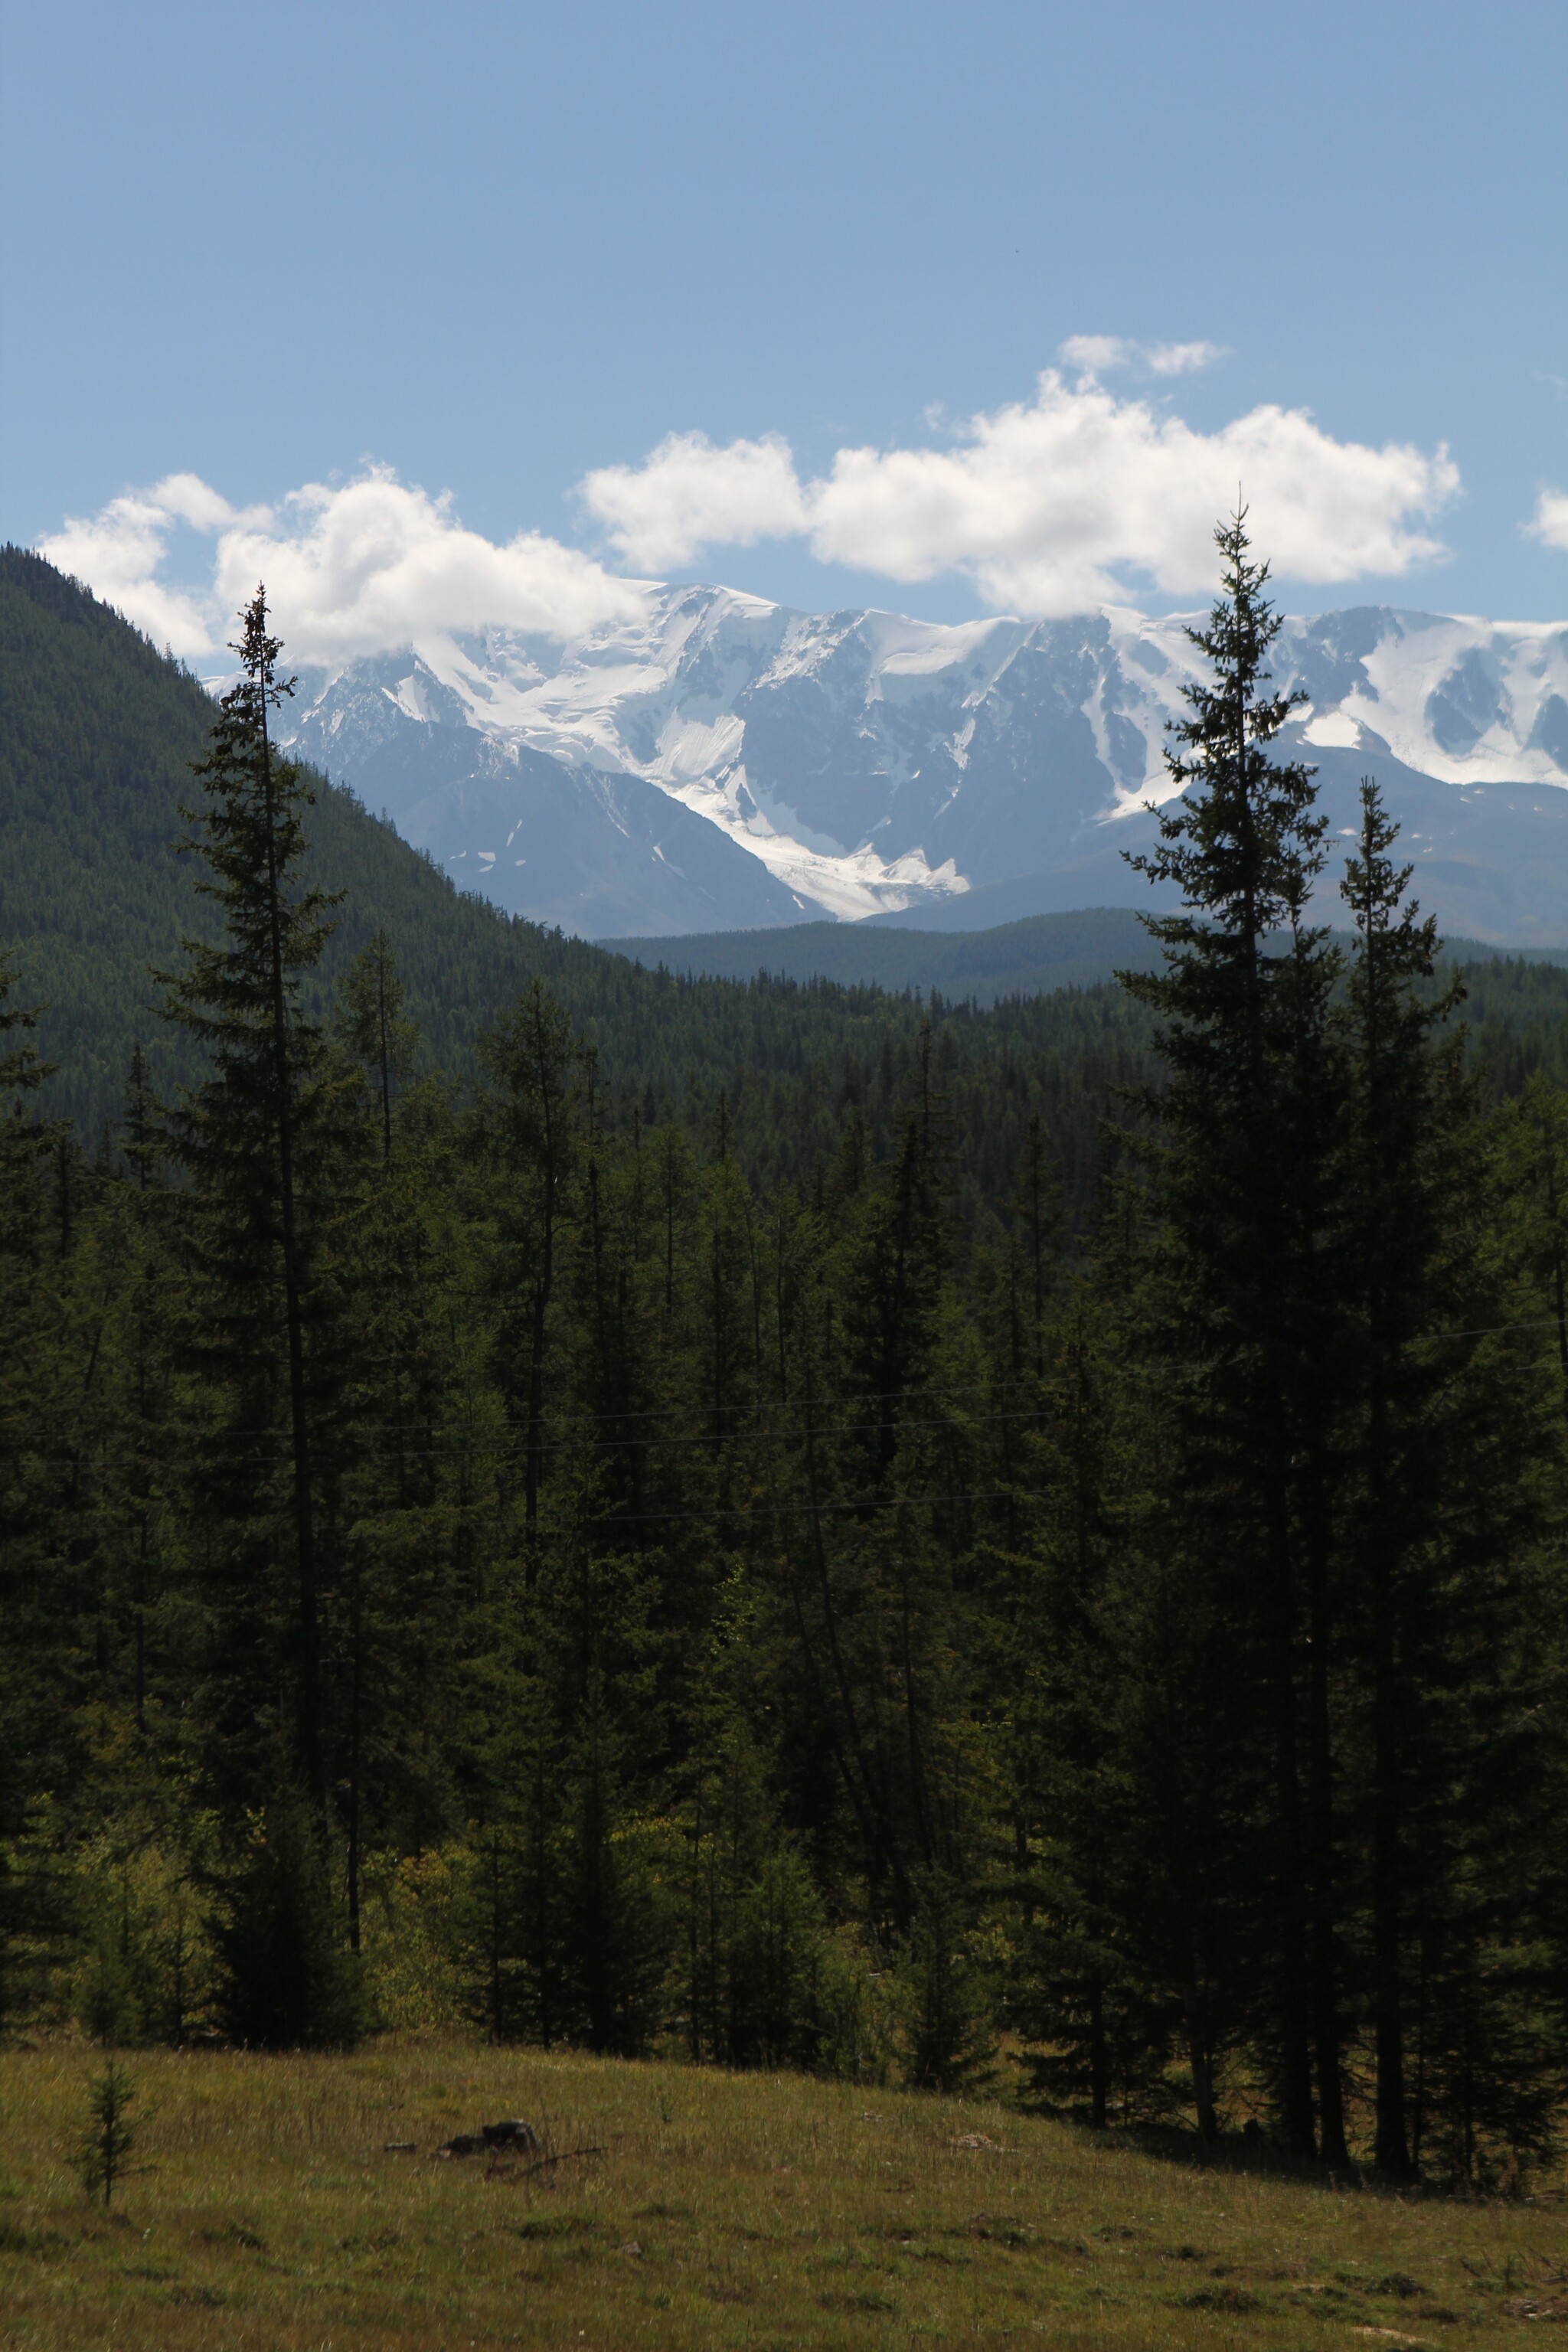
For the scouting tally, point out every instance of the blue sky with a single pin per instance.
(499, 250)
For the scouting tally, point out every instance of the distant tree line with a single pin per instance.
(1054, 1559)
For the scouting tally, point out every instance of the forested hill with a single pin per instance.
(97, 733)
(684, 1547)
(1039, 955)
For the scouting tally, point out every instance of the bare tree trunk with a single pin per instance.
(1098, 2070)
(355, 1691)
(1324, 1956)
(1200, 2067)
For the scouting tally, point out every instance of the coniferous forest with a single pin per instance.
(794, 1526)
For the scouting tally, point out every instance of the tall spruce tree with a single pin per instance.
(1245, 1131)
(1394, 1225)
(251, 1137)
(1452, 1420)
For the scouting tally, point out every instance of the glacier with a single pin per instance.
(720, 762)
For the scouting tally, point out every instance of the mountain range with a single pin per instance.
(97, 733)
(724, 763)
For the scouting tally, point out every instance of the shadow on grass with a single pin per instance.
(1249, 2151)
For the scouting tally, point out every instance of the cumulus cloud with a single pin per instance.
(689, 494)
(351, 568)
(121, 551)
(378, 562)
(1078, 497)
(1074, 499)
(1549, 522)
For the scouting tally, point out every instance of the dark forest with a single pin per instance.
(788, 1525)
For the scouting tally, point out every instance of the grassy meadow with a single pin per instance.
(745, 2211)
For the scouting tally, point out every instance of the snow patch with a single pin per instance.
(1336, 730)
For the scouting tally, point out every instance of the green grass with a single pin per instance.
(726, 2211)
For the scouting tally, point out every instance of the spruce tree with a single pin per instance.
(1449, 1436)
(35, 1644)
(535, 1130)
(1395, 1231)
(1244, 1133)
(288, 1982)
(251, 1137)
(1080, 1994)
(1538, 1141)
(375, 1027)
(144, 1354)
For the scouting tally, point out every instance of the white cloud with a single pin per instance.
(687, 494)
(1075, 498)
(1096, 356)
(1183, 359)
(378, 562)
(1549, 522)
(350, 569)
(121, 551)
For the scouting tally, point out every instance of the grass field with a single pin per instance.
(724, 2210)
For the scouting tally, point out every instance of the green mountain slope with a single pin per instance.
(96, 734)
(1042, 951)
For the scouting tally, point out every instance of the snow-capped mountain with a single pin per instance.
(724, 761)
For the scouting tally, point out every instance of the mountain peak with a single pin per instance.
(861, 762)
